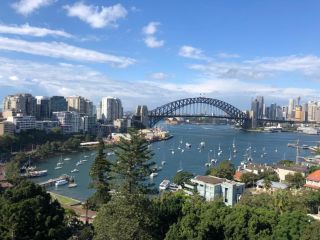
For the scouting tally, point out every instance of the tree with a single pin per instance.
(295, 180)
(248, 178)
(291, 226)
(100, 175)
(28, 212)
(168, 209)
(182, 177)
(125, 217)
(286, 163)
(313, 168)
(12, 170)
(225, 170)
(132, 167)
(270, 175)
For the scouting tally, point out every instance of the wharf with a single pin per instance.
(52, 181)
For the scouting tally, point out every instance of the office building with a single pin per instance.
(254, 113)
(312, 109)
(22, 123)
(68, 121)
(141, 115)
(291, 108)
(6, 128)
(110, 109)
(23, 103)
(298, 114)
(46, 125)
(42, 108)
(261, 105)
(58, 104)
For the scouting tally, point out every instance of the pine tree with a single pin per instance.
(100, 175)
(132, 167)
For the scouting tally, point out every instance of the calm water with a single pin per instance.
(192, 160)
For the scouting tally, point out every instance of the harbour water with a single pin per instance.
(177, 156)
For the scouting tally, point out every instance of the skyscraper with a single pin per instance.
(111, 109)
(42, 108)
(142, 115)
(80, 105)
(261, 106)
(58, 104)
(23, 103)
(291, 108)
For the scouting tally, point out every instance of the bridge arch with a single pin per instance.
(168, 110)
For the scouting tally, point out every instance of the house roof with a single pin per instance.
(209, 179)
(311, 186)
(276, 185)
(314, 176)
(294, 168)
(237, 175)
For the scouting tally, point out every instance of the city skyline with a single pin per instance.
(146, 52)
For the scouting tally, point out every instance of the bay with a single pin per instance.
(192, 160)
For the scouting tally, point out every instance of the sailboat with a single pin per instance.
(208, 164)
(234, 146)
(219, 150)
(59, 163)
(230, 155)
(180, 167)
(214, 160)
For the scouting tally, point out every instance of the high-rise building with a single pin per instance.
(298, 113)
(273, 111)
(23, 103)
(42, 108)
(312, 108)
(261, 105)
(80, 105)
(254, 113)
(111, 109)
(142, 115)
(58, 104)
(291, 108)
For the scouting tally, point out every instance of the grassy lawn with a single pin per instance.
(63, 199)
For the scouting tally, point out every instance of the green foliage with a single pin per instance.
(100, 175)
(168, 208)
(224, 170)
(132, 166)
(291, 226)
(295, 180)
(182, 177)
(27, 212)
(270, 175)
(125, 217)
(12, 170)
(286, 163)
(249, 178)
(313, 168)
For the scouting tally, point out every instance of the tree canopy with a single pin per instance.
(224, 170)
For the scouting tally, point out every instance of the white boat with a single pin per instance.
(36, 173)
(182, 150)
(72, 185)
(79, 163)
(233, 143)
(85, 156)
(60, 182)
(74, 170)
(207, 164)
(57, 167)
(163, 162)
(202, 144)
(219, 153)
(188, 145)
(219, 148)
(164, 184)
(179, 170)
(172, 152)
(67, 159)
(276, 150)
(110, 153)
(154, 174)
(84, 160)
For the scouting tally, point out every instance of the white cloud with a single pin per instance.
(95, 16)
(64, 51)
(192, 52)
(149, 31)
(159, 75)
(151, 28)
(228, 55)
(26, 7)
(26, 29)
(152, 42)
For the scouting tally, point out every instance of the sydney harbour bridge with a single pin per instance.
(203, 107)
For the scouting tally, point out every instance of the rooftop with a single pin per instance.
(209, 179)
(276, 185)
(293, 168)
(314, 176)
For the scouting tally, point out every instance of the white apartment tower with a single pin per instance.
(111, 109)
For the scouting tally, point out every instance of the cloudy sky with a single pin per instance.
(152, 52)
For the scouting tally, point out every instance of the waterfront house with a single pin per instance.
(211, 187)
(282, 171)
(313, 180)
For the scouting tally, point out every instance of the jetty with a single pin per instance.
(51, 182)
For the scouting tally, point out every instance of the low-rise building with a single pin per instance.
(273, 185)
(22, 123)
(6, 128)
(282, 171)
(313, 180)
(211, 187)
(46, 125)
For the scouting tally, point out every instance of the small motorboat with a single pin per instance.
(60, 182)
(163, 162)
(74, 170)
(57, 167)
(154, 174)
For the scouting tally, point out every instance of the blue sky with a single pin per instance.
(152, 52)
